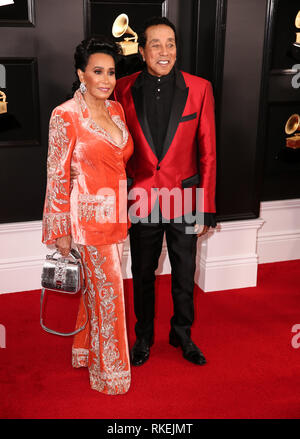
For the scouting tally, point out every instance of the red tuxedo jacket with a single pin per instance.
(188, 159)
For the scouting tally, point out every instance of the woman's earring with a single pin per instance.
(83, 88)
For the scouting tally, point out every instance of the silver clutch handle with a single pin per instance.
(73, 253)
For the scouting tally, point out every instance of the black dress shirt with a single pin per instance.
(158, 95)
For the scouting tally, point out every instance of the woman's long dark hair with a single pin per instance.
(90, 46)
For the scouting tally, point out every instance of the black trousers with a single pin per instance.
(146, 241)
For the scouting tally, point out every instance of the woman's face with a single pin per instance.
(99, 76)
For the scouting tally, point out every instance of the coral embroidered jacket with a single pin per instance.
(94, 209)
(189, 151)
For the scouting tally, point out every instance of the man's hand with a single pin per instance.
(200, 232)
(73, 174)
(63, 245)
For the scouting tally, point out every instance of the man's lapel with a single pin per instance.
(179, 100)
(139, 103)
(181, 92)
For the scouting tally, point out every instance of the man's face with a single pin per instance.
(160, 49)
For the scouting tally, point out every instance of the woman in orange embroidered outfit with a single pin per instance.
(89, 133)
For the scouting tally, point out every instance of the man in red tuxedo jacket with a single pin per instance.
(170, 115)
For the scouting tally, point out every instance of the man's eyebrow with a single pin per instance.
(155, 40)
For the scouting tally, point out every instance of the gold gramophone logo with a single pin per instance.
(120, 27)
(297, 24)
(292, 126)
(3, 103)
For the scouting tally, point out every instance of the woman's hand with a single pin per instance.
(63, 245)
(73, 173)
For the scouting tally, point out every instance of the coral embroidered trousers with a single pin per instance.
(102, 346)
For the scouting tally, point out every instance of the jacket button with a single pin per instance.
(158, 168)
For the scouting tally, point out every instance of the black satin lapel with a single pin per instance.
(178, 104)
(139, 103)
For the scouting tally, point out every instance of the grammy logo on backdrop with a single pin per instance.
(296, 44)
(297, 24)
(292, 126)
(120, 27)
(3, 103)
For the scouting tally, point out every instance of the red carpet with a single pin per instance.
(252, 371)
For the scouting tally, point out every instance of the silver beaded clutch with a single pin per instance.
(64, 275)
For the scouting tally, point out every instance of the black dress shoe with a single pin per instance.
(190, 351)
(140, 351)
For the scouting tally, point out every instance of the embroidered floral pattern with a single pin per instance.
(94, 128)
(107, 371)
(58, 149)
(100, 207)
(80, 357)
(56, 224)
